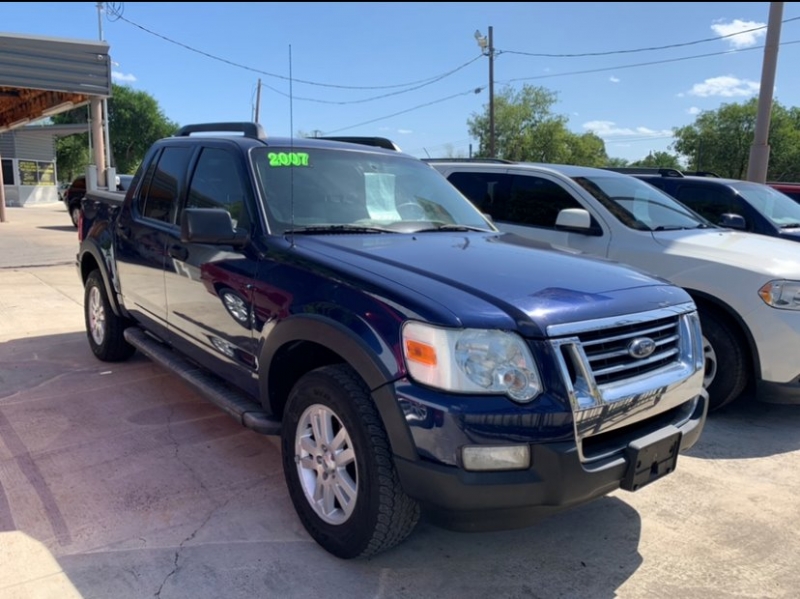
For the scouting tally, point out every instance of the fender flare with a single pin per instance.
(102, 264)
(378, 370)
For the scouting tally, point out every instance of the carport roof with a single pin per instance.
(42, 76)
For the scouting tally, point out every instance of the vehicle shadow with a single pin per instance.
(139, 487)
(760, 430)
(64, 228)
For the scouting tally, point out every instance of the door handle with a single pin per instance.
(178, 252)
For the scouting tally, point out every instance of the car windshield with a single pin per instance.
(321, 190)
(779, 208)
(639, 205)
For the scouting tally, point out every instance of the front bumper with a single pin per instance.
(557, 478)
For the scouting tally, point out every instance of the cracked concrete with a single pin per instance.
(119, 481)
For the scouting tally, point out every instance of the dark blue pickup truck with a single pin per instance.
(410, 355)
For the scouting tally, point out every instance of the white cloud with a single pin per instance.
(123, 77)
(606, 129)
(404, 131)
(613, 79)
(735, 29)
(693, 110)
(726, 86)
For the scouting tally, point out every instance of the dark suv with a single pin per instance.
(744, 205)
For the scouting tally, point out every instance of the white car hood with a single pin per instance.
(749, 251)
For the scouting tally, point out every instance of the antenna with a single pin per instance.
(291, 143)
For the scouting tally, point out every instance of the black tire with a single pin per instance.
(726, 361)
(377, 514)
(104, 329)
(75, 215)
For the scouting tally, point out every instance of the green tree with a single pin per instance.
(719, 141)
(617, 162)
(527, 129)
(135, 121)
(660, 159)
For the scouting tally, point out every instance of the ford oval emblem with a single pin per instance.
(641, 347)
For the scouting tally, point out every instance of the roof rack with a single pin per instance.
(253, 130)
(490, 160)
(645, 170)
(379, 142)
(701, 174)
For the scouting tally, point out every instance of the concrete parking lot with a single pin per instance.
(119, 481)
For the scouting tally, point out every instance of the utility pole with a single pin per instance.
(487, 48)
(258, 101)
(101, 171)
(759, 151)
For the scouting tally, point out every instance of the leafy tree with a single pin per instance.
(719, 141)
(617, 162)
(72, 156)
(659, 159)
(135, 121)
(527, 129)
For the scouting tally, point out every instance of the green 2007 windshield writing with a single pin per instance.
(288, 159)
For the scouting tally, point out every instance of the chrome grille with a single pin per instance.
(609, 355)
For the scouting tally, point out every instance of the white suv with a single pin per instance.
(746, 286)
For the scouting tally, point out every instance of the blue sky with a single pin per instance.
(380, 47)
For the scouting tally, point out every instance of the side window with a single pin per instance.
(218, 183)
(487, 191)
(159, 201)
(536, 201)
(708, 202)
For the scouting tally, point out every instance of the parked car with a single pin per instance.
(409, 354)
(743, 205)
(745, 286)
(77, 190)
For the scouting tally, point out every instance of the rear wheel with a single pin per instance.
(339, 468)
(104, 329)
(726, 371)
(75, 215)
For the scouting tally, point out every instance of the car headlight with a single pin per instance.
(471, 361)
(781, 294)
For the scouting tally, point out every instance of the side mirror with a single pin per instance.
(733, 221)
(212, 226)
(576, 220)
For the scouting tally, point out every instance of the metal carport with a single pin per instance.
(43, 76)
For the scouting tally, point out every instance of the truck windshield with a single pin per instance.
(779, 208)
(314, 189)
(639, 205)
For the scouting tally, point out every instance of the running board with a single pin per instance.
(238, 405)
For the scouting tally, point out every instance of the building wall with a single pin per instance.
(32, 156)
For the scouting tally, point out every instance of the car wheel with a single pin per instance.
(104, 329)
(339, 468)
(726, 373)
(75, 215)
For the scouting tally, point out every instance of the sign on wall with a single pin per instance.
(33, 172)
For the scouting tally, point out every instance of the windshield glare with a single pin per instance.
(639, 205)
(310, 187)
(777, 207)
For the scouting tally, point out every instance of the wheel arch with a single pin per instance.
(91, 259)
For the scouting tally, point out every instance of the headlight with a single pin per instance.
(471, 361)
(781, 294)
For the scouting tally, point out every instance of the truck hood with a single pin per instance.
(761, 254)
(495, 280)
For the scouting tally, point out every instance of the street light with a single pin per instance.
(487, 48)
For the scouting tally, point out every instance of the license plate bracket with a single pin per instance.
(651, 457)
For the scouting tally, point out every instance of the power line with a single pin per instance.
(647, 49)
(118, 16)
(640, 64)
(474, 90)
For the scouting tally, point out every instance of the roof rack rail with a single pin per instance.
(701, 174)
(645, 170)
(490, 160)
(253, 130)
(378, 142)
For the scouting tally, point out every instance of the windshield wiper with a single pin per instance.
(322, 229)
(452, 227)
(679, 227)
(790, 226)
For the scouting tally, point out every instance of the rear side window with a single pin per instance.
(159, 198)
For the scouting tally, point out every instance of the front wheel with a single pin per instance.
(726, 372)
(104, 329)
(339, 468)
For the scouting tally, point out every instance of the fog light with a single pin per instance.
(503, 457)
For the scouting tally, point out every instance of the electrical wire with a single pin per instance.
(647, 49)
(640, 64)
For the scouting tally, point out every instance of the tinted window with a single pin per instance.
(537, 201)
(8, 172)
(160, 199)
(487, 191)
(218, 183)
(710, 202)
